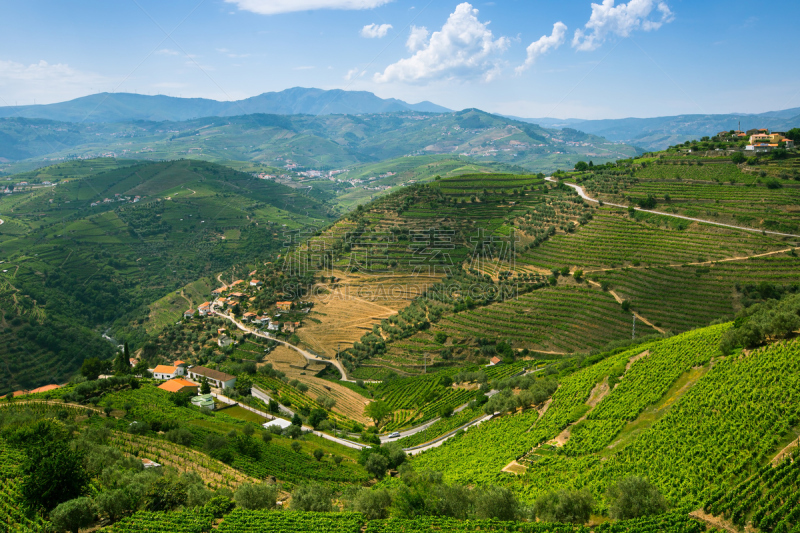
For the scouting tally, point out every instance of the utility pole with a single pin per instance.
(633, 336)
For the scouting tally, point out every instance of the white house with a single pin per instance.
(167, 372)
(204, 308)
(215, 377)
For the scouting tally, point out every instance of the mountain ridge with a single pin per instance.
(122, 107)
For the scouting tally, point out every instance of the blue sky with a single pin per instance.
(517, 57)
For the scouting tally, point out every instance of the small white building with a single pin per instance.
(165, 372)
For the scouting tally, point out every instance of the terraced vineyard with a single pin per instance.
(681, 298)
(769, 500)
(13, 515)
(612, 241)
(563, 319)
(751, 397)
(188, 521)
(240, 521)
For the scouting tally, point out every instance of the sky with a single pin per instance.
(526, 58)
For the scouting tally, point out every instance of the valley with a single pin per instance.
(429, 329)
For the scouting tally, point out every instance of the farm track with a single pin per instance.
(588, 198)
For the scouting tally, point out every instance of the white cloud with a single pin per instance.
(273, 7)
(544, 45)
(353, 73)
(373, 31)
(167, 52)
(608, 19)
(463, 48)
(418, 38)
(47, 82)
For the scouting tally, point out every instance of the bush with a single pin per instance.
(634, 497)
(376, 464)
(219, 506)
(180, 436)
(312, 498)
(73, 515)
(563, 506)
(738, 158)
(262, 496)
(373, 504)
(496, 502)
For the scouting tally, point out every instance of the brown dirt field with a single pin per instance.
(349, 309)
(348, 403)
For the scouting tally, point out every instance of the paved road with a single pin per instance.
(343, 442)
(309, 356)
(588, 198)
(415, 450)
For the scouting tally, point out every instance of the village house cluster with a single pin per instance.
(759, 140)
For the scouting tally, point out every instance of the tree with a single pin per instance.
(581, 166)
(73, 514)
(219, 506)
(633, 497)
(318, 454)
(578, 274)
(376, 464)
(327, 402)
(312, 498)
(251, 496)
(440, 337)
(373, 504)
(297, 421)
(165, 494)
(93, 367)
(52, 472)
(113, 504)
(794, 134)
(564, 506)
(377, 411)
(296, 446)
(205, 388)
(496, 502)
(626, 305)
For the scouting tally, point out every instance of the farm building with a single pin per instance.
(189, 313)
(179, 385)
(224, 341)
(215, 377)
(284, 306)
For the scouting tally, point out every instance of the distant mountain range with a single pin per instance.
(660, 132)
(647, 133)
(125, 107)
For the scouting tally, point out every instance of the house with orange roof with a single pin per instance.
(283, 306)
(218, 291)
(247, 317)
(255, 283)
(189, 313)
(167, 371)
(179, 385)
(204, 308)
(495, 361)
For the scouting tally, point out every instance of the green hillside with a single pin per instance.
(156, 227)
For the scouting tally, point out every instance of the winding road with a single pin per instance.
(588, 198)
(308, 355)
